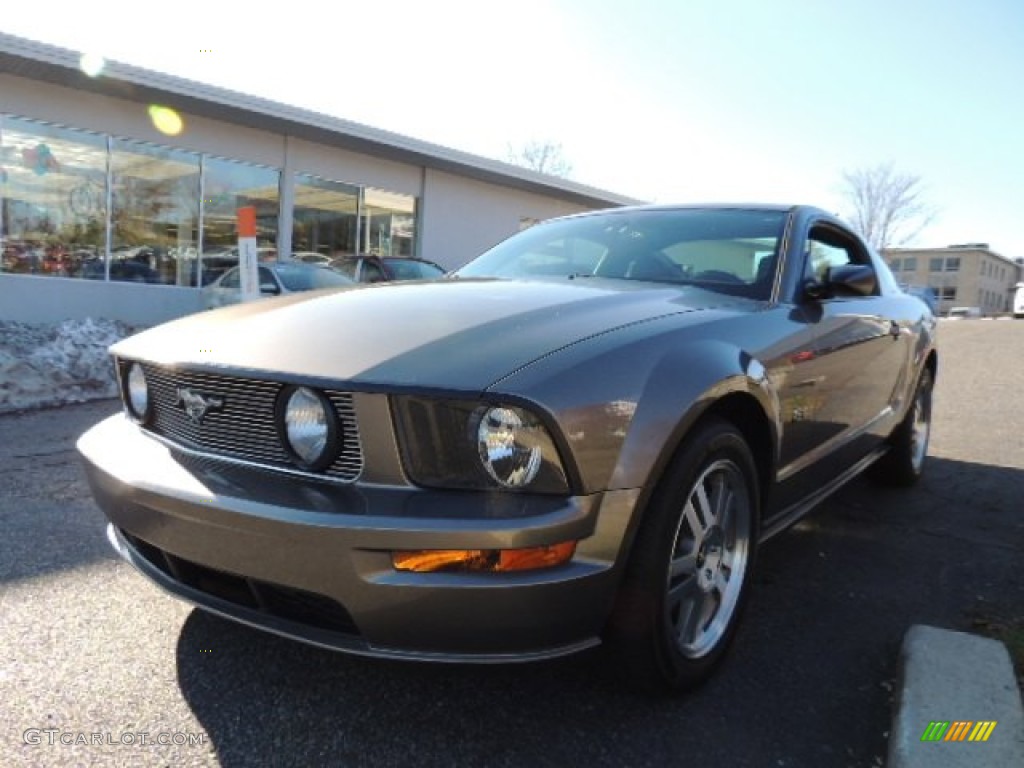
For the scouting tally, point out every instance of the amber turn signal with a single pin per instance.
(483, 560)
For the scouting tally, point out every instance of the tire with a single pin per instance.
(903, 465)
(687, 579)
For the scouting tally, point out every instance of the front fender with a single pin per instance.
(625, 400)
(681, 389)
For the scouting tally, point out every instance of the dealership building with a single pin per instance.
(119, 188)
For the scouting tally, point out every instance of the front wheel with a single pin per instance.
(687, 578)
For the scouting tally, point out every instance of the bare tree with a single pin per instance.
(887, 208)
(541, 156)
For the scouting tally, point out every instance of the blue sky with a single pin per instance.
(669, 101)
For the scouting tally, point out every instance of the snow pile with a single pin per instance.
(46, 365)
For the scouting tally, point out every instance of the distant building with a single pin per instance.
(963, 275)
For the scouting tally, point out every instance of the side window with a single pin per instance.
(372, 272)
(231, 280)
(347, 267)
(267, 282)
(828, 248)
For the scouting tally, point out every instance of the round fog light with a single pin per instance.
(138, 392)
(309, 428)
(509, 447)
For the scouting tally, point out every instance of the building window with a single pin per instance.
(910, 264)
(947, 293)
(896, 265)
(953, 264)
(326, 218)
(333, 219)
(388, 223)
(228, 186)
(935, 265)
(53, 200)
(155, 214)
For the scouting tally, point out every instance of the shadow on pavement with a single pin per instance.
(808, 683)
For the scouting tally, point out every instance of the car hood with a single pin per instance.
(450, 334)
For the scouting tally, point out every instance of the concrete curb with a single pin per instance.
(951, 677)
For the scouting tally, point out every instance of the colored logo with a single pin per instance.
(959, 730)
(40, 159)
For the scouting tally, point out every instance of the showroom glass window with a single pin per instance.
(53, 200)
(228, 186)
(155, 214)
(326, 217)
(388, 225)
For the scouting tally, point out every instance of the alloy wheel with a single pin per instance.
(709, 559)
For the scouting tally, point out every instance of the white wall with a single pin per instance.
(353, 168)
(32, 299)
(461, 218)
(130, 120)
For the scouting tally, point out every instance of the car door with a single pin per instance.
(857, 357)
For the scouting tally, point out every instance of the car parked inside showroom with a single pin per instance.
(584, 435)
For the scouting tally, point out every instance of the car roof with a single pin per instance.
(776, 207)
(403, 258)
(285, 266)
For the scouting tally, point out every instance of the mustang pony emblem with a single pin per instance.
(196, 405)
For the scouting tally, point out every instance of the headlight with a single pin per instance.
(309, 427)
(509, 441)
(464, 444)
(136, 392)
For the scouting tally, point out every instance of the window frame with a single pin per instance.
(857, 253)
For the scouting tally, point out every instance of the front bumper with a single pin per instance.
(312, 561)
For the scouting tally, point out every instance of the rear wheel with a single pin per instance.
(904, 463)
(687, 578)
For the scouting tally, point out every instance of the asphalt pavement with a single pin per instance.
(92, 656)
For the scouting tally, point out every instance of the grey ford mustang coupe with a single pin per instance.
(584, 434)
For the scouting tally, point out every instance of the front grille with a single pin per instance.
(296, 605)
(244, 427)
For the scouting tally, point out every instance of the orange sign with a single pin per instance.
(247, 221)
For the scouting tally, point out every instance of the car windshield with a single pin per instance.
(734, 251)
(299, 277)
(408, 269)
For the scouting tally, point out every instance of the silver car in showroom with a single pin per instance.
(583, 435)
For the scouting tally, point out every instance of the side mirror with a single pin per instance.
(846, 279)
(858, 279)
